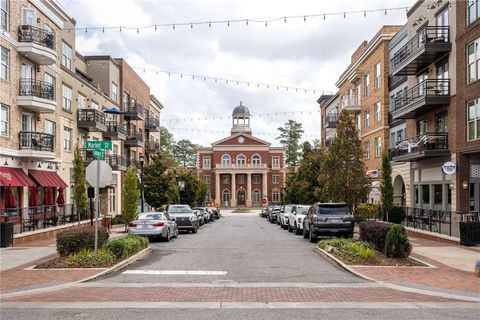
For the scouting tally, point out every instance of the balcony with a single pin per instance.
(36, 145)
(117, 162)
(134, 163)
(351, 103)
(329, 142)
(134, 139)
(37, 96)
(427, 145)
(422, 50)
(153, 146)
(241, 166)
(91, 119)
(38, 45)
(152, 124)
(331, 119)
(134, 111)
(115, 131)
(424, 97)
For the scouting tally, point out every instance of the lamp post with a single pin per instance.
(141, 158)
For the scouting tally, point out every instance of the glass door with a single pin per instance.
(28, 138)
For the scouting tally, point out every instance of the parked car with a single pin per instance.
(273, 213)
(216, 212)
(186, 218)
(206, 212)
(328, 219)
(154, 225)
(284, 213)
(295, 218)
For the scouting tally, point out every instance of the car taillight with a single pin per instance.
(317, 218)
(132, 225)
(159, 224)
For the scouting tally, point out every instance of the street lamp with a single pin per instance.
(141, 158)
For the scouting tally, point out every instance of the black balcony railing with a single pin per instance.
(134, 163)
(135, 135)
(116, 161)
(27, 33)
(426, 88)
(331, 119)
(134, 108)
(36, 88)
(430, 34)
(153, 146)
(420, 143)
(37, 141)
(152, 123)
(115, 126)
(90, 115)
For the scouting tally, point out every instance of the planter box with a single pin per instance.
(469, 233)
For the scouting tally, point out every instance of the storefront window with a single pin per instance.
(425, 194)
(438, 194)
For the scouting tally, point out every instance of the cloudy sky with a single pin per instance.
(309, 54)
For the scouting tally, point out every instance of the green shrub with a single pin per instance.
(86, 258)
(396, 215)
(126, 246)
(396, 243)
(72, 241)
(366, 211)
(374, 232)
(118, 219)
(350, 248)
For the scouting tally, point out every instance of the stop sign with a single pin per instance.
(264, 200)
(105, 178)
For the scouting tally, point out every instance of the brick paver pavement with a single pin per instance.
(215, 294)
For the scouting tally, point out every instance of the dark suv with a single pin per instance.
(328, 219)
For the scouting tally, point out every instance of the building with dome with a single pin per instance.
(242, 170)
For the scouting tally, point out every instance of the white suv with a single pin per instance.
(283, 215)
(295, 218)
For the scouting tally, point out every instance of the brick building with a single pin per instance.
(242, 170)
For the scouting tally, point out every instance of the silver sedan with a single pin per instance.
(154, 224)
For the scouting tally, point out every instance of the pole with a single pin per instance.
(97, 205)
(141, 187)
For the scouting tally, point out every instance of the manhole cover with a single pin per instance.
(223, 281)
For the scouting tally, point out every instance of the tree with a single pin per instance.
(193, 189)
(185, 153)
(160, 186)
(290, 136)
(387, 187)
(342, 175)
(79, 184)
(130, 196)
(167, 143)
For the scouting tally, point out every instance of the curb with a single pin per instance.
(346, 267)
(118, 266)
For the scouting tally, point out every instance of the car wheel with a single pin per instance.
(312, 237)
(195, 230)
(305, 232)
(167, 238)
(297, 230)
(290, 229)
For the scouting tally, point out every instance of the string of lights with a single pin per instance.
(260, 115)
(233, 81)
(173, 129)
(244, 21)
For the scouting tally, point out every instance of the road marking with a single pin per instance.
(176, 272)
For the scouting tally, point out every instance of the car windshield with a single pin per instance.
(333, 209)
(302, 210)
(182, 209)
(150, 216)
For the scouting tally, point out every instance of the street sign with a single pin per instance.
(98, 154)
(105, 177)
(99, 145)
(264, 200)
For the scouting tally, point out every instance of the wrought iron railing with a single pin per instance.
(429, 34)
(153, 145)
(135, 108)
(135, 135)
(115, 160)
(90, 115)
(152, 123)
(417, 144)
(36, 88)
(28, 33)
(37, 141)
(115, 126)
(331, 118)
(426, 88)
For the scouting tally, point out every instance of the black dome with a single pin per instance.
(241, 110)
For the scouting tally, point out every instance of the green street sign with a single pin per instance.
(99, 154)
(99, 145)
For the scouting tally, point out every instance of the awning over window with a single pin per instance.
(14, 177)
(47, 178)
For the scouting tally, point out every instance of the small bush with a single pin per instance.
(396, 215)
(126, 246)
(86, 258)
(396, 243)
(366, 211)
(350, 248)
(72, 241)
(375, 233)
(118, 219)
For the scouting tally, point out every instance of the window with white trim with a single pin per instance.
(206, 179)
(366, 79)
(241, 179)
(67, 138)
(4, 120)
(378, 147)
(473, 11)
(206, 163)
(226, 159)
(5, 63)
(241, 159)
(367, 118)
(275, 179)
(94, 105)
(275, 195)
(4, 16)
(473, 61)
(275, 162)
(66, 97)
(226, 178)
(473, 120)
(256, 196)
(378, 76)
(114, 92)
(256, 178)
(256, 160)
(81, 101)
(226, 195)
(366, 147)
(50, 127)
(378, 111)
(66, 55)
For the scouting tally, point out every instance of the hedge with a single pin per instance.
(375, 233)
(126, 246)
(72, 241)
(396, 243)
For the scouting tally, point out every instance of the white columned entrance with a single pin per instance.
(234, 192)
(218, 199)
(249, 190)
(264, 185)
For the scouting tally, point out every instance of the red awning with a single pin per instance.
(14, 177)
(47, 178)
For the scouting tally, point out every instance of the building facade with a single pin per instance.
(242, 170)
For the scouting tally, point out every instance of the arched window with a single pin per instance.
(226, 196)
(256, 195)
(241, 159)
(226, 159)
(256, 160)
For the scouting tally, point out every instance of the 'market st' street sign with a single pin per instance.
(99, 145)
